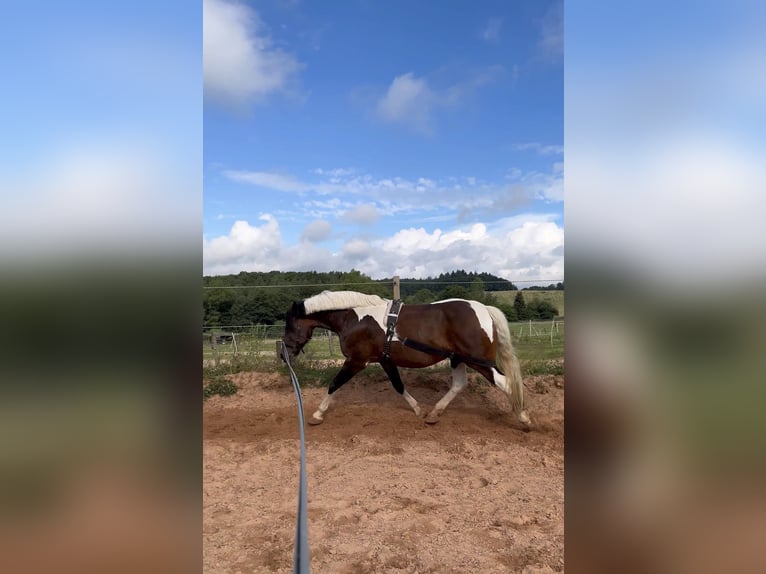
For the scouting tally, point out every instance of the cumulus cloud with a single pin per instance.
(245, 241)
(239, 62)
(261, 248)
(512, 248)
(357, 249)
(525, 252)
(317, 230)
(411, 101)
(408, 100)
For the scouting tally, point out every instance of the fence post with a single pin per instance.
(397, 295)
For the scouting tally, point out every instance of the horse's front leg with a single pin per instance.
(348, 370)
(396, 380)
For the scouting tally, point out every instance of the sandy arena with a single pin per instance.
(387, 492)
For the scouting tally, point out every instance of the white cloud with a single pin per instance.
(408, 100)
(525, 252)
(552, 31)
(539, 148)
(511, 248)
(412, 101)
(363, 214)
(334, 173)
(239, 62)
(491, 30)
(357, 249)
(244, 241)
(536, 237)
(425, 183)
(260, 248)
(547, 186)
(317, 230)
(422, 195)
(270, 180)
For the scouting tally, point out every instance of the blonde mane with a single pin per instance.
(328, 300)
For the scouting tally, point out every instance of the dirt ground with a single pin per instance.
(387, 492)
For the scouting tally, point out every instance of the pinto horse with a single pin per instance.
(466, 332)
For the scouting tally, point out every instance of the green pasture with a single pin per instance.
(555, 298)
(532, 340)
(539, 347)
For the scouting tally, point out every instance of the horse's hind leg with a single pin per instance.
(396, 380)
(501, 381)
(459, 380)
(348, 370)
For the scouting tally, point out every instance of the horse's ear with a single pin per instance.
(297, 309)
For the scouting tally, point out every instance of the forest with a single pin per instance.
(262, 298)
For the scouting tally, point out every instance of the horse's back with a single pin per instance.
(447, 324)
(461, 310)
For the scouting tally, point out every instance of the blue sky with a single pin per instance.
(391, 137)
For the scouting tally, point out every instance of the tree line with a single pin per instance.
(262, 298)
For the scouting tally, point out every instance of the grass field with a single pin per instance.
(539, 347)
(555, 298)
(542, 337)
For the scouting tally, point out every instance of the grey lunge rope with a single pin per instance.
(301, 555)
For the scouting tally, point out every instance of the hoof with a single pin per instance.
(432, 419)
(315, 421)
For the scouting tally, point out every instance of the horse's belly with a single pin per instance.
(419, 360)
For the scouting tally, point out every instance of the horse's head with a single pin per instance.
(298, 329)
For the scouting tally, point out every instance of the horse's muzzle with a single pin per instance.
(283, 349)
(291, 350)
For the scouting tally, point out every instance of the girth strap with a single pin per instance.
(454, 358)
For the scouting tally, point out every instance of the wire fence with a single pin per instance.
(387, 282)
(259, 342)
(221, 344)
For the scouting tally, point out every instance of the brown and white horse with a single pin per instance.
(467, 332)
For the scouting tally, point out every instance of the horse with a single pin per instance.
(376, 330)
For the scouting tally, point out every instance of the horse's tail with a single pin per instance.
(508, 363)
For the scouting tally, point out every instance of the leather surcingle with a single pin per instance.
(391, 318)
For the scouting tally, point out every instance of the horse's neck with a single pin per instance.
(332, 320)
